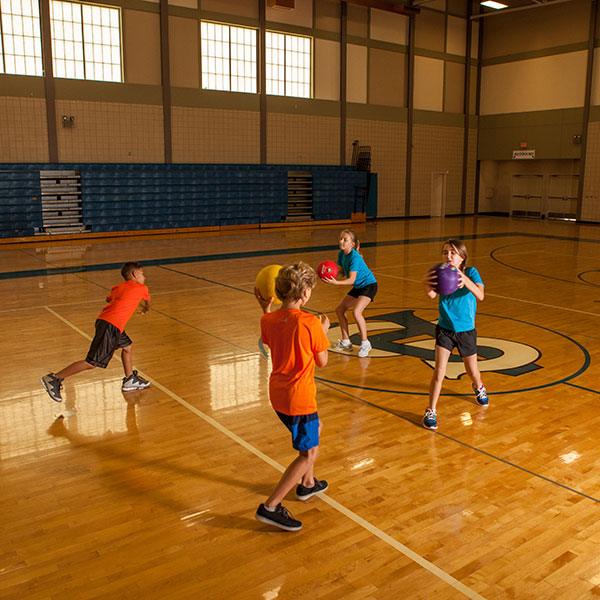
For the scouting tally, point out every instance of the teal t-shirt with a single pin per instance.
(457, 310)
(353, 261)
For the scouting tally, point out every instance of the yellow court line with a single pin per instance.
(581, 312)
(388, 539)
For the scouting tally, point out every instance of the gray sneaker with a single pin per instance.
(134, 382)
(364, 349)
(52, 384)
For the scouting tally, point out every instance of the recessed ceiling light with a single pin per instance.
(492, 4)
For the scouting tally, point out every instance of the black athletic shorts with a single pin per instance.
(465, 341)
(368, 290)
(108, 338)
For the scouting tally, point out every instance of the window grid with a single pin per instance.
(22, 40)
(67, 42)
(288, 65)
(228, 57)
(101, 43)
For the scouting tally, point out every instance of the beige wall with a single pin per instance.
(436, 150)
(388, 152)
(124, 123)
(302, 139)
(546, 83)
(111, 132)
(201, 135)
(24, 132)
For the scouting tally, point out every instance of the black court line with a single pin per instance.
(333, 384)
(457, 441)
(272, 252)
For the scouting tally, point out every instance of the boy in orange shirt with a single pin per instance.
(297, 341)
(110, 333)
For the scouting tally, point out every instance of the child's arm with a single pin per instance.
(264, 304)
(428, 283)
(348, 281)
(146, 306)
(476, 289)
(321, 357)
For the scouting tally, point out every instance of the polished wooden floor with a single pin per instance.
(151, 494)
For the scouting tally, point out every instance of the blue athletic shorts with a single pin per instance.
(304, 430)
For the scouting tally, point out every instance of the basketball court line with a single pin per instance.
(274, 252)
(582, 312)
(360, 521)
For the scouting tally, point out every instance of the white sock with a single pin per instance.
(270, 509)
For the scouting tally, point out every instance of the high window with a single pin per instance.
(21, 38)
(228, 57)
(288, 63)
(86, 40)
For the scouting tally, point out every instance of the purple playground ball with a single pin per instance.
(447, 278)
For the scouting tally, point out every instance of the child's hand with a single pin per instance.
(265, 304)
(461, 279)
(324, 322)
(144, 310)
(329, 280)
(429, 281)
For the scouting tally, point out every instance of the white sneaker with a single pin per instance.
(365, 348)
(343, 345)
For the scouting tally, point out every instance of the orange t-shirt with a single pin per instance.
(294, 337)
(122, 302)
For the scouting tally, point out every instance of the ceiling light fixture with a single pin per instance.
(492, 4)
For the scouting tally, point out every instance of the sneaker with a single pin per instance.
(134, 382)
(280, 517)
(430, 419)
(481, 395)
(344, 345)
(364, 350)
(52, 385)
(304, 493)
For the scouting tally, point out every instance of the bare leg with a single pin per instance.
(127, 358)
(360, 305)
(340, 311)
(435, 387)
(473, 369)
(292, 474)
(74, 368)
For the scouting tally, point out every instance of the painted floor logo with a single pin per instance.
(409, 334)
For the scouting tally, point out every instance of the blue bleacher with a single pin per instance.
(123, 197)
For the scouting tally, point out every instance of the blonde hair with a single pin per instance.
(293, 280)
(354, 237)
(460, 249)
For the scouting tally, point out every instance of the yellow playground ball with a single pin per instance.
(265, 282)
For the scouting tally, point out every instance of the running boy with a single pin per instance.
(297, 341)
(110, 333)
(364, 288)
(456, 327)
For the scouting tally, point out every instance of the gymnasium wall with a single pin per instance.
(533, 86)
(124, 122)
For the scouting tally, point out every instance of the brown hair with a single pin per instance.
(128, 268)
(460, 249)
(354, 237)
(293, 280)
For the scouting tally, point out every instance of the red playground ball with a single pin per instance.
(327, 269)
(447, 278)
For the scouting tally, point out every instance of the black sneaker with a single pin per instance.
(52, 385)
(280, 517)
(134, 382)
(304, 493)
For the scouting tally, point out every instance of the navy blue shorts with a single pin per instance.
(368, 290)
(108, 338)
(464, 341)
(304, 429)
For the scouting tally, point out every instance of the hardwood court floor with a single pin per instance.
(152, 494)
